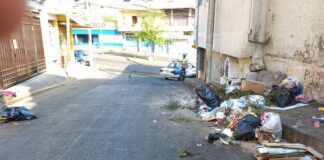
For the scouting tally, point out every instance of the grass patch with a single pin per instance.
(173, 105)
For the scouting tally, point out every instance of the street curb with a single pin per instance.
(146, 57)
(14, 100)
(130, 72)
(293, 135)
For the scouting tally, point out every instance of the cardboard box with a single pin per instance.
(257, 87)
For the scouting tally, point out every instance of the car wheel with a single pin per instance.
(166, 78)
(182, 77)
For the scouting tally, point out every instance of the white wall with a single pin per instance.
(297, 42)
(202, 23)
(232, 27)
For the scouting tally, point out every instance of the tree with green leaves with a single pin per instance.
(153, 22)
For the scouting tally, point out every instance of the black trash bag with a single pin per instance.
(281, 96)
(208, 96)
(18, 114)
(252, 120)
(215, 136)
(244, 132)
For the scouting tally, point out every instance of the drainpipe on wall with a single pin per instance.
(209, 41)
(196, 37)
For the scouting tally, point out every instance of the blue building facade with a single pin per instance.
(84, 37)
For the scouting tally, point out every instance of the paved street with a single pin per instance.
(112, 119)
(109, 62)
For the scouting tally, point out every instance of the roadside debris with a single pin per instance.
(287, 151)
(7, 96)
(8, 114)
(321, 109)
(237, 113)
(254, 86)
(209, 97)
(185, 153)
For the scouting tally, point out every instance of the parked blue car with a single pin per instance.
(83, 57)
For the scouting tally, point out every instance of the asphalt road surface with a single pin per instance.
(120, 118)
(130, 65)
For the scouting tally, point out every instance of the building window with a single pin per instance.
(187, 33)
(134, 20)
(82, 39)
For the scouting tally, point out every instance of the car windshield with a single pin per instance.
(81, 53)
(174, 65)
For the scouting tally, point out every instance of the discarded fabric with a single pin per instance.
(281, 96)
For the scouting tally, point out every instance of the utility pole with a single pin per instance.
(210, 37)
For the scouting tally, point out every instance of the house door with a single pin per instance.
(202, 63)
(22, 53)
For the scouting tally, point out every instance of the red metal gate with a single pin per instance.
(22, 54)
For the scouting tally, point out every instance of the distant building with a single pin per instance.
(180, 15)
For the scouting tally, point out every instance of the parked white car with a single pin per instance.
(173, 70)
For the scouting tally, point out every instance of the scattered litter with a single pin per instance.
(281, 97)
(199, 145)
(220, 116)
(264, 136)
(185, 153)
(232, 89)
(215, 136)
(254, 86)
(16, 114)
(233, 104)
(316, 124)
(320, 119)
(228, 141)
(286, 150)
(244, 132)
(208, 96)
(271, 123)
(228, 132)
(7, 95)
(154, 121)
(302, 98)
(293, 85)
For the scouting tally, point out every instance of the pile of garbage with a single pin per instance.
(8, 114)
(240, 118)
(243, 118)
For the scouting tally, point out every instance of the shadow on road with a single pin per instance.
(119, 116)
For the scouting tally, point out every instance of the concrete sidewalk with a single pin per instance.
(296, 123)
(42, 82)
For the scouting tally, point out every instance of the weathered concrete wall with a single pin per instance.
(297, 42)
(233, 24)
(202, 23)
(217, 69)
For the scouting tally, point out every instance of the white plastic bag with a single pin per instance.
(271, 123)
